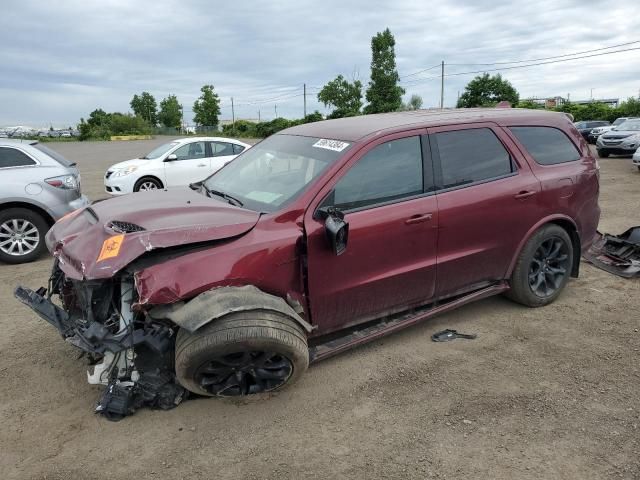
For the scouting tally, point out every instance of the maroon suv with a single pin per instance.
(319, 238)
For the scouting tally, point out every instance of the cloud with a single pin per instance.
(60, 60)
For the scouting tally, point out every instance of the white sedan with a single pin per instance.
(177, 163)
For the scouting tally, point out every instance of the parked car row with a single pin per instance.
(322, 237)
(22, 132)
(623, 139)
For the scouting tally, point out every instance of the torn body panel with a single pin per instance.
(617, 254)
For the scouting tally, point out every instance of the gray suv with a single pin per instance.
(37, 187)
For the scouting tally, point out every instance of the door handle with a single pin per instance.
(202, 164)
(419, 218)
(524, 194)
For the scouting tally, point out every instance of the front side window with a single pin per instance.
(390, 171)
(547, 145)
(470, 156)
(276, 170)
(190, 151)
(11, 157)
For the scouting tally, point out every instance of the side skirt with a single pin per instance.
(397, 322)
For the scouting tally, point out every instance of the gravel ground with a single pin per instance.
(546, 393)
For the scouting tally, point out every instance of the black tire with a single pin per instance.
(23, 217)
(147, 180)
(638, 167)
(603, 154)
(527, 287)
(242, 353)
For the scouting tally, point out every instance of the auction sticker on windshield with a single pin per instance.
(335, 145)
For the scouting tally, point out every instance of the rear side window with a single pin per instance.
(237, 149)
(11, 157)
(547, 146)
(221, 149)
(390, 171)
(469, 156)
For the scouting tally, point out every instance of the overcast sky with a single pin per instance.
(61, 60)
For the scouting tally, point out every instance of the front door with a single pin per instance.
(389, 265)
(191, 165)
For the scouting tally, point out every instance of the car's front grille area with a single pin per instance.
(124, 227)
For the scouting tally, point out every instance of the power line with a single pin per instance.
(421, 71)
(545, 58)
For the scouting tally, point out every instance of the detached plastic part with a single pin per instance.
(617, 254)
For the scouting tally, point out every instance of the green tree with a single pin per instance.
(486, 90)
(344, 97)
(98, 118)
(384, 94)
(207, 107)
(414, 103)
(170, 114)
(144, 105)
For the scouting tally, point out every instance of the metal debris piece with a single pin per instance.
(448, 334)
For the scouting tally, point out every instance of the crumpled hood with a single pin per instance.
(99, 240)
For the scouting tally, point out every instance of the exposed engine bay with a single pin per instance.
(129, 352)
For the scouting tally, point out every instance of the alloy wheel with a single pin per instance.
(18, 237)
(244, 373)
(148, 185)
(549, 267)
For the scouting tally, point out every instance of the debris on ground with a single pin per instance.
(617, 254)
(448, 334)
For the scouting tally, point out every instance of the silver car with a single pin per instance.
(37, 187)
(623, 139)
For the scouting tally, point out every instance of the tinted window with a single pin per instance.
(547, 146)
(220, 149)
(190, 151)
(237, 149)
(10, 157)
(390, 171)
(468, 156)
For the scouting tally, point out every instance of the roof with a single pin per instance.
(356, 128)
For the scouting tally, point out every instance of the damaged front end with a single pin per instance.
(129, 352)
(617, 254)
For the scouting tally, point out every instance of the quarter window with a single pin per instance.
(390, 171)
(469, 156)
(190, 151)
(237, 149)
(11, 157)
(547, 146)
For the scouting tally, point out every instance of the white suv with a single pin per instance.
(177, 163)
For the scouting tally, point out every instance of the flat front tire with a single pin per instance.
(543, 267)
(242, 353)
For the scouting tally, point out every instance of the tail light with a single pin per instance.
(65, 182)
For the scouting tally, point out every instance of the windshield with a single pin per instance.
(579, 124)
(159, 151)
(619, 121)
(275, 171)
(629, 125)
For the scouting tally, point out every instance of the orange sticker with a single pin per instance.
(111, 247)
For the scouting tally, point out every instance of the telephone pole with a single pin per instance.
(275, 108)
(233, 118)
(258, 116)
(304, 95)
(442, 87)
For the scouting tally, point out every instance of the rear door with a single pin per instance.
(386, 193)
(191, 165)
(488, 199)
(221, 154)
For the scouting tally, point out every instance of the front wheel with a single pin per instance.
(543, 267)
(242, 353)
(147, 183)
(603, 154)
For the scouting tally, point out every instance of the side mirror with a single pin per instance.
(336, 229)
(171, 158)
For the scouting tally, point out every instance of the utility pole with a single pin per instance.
(304, 95)
(258, 116)
(442, 87)
(592, 94)
(233, 118)
(275, 107)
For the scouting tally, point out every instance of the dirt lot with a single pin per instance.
(547, 393)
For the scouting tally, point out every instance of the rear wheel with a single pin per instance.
(242, 353)
(147, 183)
(603, 154)
(543, 267)
(22, 234)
